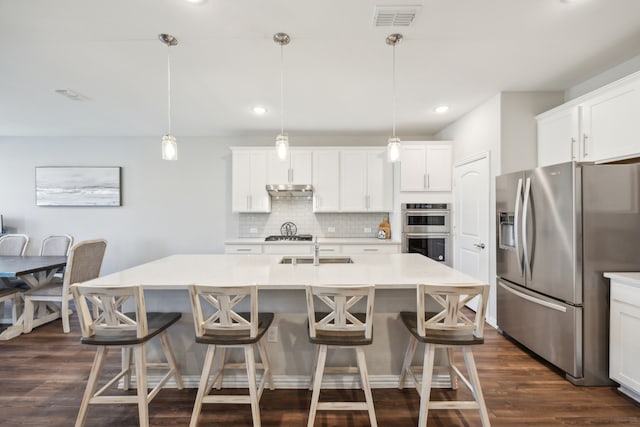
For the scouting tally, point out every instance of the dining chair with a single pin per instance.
(84, 263)
(340, 327)
(56, 245)
(15, 328)
(224, 327)
(449, 328)
(13, 244)
(109, 327)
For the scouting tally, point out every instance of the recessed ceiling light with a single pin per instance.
(441, 109)
(259, 110)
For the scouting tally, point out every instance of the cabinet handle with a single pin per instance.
(573, 148)
(584, 145)
(428, 183)
(424, 181)
(290, 176)
(371, 249)
(243, 250)
(315, 198)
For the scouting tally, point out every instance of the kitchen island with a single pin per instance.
(281, 290)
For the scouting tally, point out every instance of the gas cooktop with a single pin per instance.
(293, 237)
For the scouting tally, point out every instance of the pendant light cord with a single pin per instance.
(281, 89)
(394, 91)
(169, 87)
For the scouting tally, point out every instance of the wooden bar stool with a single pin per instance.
(228, 328)
(448, 329)
(106, 326)
(340, 328)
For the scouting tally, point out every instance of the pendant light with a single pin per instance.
(169, 145)
(282, 140)
(393, 147)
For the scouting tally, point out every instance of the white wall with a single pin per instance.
(518, 134)
(612, 74)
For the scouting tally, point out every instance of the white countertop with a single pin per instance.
(629, 278)
(388, 271)
(321, 241)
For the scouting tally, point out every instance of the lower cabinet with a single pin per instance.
(307, 249)
(624, 346)
(242, 249)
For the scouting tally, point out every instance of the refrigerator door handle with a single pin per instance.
(534, 300)
(525, 217)
(516, 225)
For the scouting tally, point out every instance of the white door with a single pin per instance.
(471, 233)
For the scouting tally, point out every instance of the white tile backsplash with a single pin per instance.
(299, 210)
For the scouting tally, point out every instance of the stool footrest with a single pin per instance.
(342, 406)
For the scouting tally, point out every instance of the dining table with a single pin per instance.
(34, 272)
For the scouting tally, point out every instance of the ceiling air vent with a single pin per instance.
(394, 16)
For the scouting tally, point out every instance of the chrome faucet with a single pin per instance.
(316, 252)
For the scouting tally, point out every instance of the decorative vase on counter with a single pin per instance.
(384, 229)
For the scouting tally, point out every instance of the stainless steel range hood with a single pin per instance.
(290, 190)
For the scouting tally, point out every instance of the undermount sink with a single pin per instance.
(322, 260)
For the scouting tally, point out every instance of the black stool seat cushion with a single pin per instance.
(341, 338)
(237, 337)
(410, 320)
(157, 322)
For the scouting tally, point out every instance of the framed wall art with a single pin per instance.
(78, 186)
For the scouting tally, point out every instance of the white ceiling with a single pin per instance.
(338, 72)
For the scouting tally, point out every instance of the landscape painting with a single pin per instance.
(78, 186)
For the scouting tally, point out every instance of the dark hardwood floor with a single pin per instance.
(43, 375)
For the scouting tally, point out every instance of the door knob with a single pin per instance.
(479, 245)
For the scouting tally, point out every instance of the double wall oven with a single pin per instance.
(426, 229)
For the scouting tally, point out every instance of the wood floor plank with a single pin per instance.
(44, 374)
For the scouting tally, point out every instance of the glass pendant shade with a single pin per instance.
(169, 147)
(282, 146)
(393, 149)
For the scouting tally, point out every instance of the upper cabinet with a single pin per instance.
(295, 169)
(326, 181)
(425, 167)
(611, 123)
(366, 179)
(346, 179)
(600, 126)
(559, 137)
(249, 179)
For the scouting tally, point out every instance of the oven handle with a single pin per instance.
(412, 212)
(411, 235)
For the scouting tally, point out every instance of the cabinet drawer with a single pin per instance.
(370, 249)
(243, 249)
(279, 249)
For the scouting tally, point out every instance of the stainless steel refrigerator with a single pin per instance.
(559, 228)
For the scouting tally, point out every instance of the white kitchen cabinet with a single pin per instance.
(243, 249)
(425, 167)
(624, 346)
(295, 169)
(610, 124)
(371, 249)
(366, 181)
(326, 181)
(248, 181)
(599, 126)
(559, 136)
